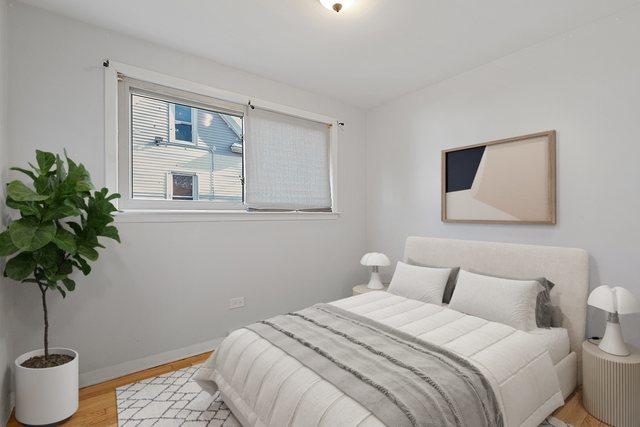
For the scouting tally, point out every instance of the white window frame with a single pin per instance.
(118, 156)
(172, 126)
(194, 185)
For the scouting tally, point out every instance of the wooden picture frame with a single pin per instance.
(494, 197)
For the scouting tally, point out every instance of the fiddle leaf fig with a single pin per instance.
(30, 235)
(61, 219)
(21, 193)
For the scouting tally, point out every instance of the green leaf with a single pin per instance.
(60, 212)
(88, 253)
(49, 257)
(60, 170)
(69, 284)
(25, 208)
(111, 232)
(83, 265)
(62, 292)
(28, 235)
(20, 267)
(6, 244)
(21, 193)
(27, 172)
(65, 240)
(45, 160)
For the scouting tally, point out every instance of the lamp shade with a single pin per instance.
(375, 259)
(614, 300)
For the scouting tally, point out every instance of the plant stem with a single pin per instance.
(43, 290)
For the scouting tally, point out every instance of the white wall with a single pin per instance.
(167, 285)
(586, 85)
(6, 290)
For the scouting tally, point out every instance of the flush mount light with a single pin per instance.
(337, 5)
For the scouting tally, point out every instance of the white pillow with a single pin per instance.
(507, 301)
(420, 283)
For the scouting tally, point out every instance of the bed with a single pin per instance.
(530, 373)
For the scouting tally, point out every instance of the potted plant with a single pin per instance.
(59, 221)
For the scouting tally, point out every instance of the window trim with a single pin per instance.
(171, 210)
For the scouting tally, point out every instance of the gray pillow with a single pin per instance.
(544, 308)
(451, 282)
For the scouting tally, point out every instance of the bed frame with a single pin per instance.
(568, 268)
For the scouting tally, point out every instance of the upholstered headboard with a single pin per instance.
(566, 267)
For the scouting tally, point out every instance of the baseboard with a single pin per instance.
(126, 368)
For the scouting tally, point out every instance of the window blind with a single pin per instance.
(287, 162)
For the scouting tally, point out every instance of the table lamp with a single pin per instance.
(375, 260)
(615, 301)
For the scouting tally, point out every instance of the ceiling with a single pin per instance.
(369, 54)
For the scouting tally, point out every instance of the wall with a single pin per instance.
(6, 333)
(167, 286)
(586, 85)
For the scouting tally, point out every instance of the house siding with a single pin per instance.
(218, 169)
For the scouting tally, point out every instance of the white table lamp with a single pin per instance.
(375, 260)
(615, 301)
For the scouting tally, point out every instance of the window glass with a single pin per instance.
(211, 165)
(183, 132)
(183, 113)
(183, 187)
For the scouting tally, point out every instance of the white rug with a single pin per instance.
(173, 399)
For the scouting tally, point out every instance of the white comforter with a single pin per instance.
(264, 386)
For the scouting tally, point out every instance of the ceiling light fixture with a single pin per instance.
(337, 5)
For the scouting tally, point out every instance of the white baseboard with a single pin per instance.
(126, 368)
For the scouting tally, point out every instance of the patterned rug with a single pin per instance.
(173, 399)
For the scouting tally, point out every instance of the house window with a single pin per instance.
(182, 150)
(182, 123)
(184, 187)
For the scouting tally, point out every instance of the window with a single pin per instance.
(184, 187)
(182, 129)
(180, 150)
(179, 145)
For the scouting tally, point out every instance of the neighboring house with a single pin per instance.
(185, 153)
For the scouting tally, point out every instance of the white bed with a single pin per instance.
(530, 372)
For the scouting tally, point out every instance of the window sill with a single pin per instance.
(169, 216)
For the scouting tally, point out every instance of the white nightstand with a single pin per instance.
(362, 289)
(611, 385)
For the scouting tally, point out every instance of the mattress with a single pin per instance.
(555, 340)
(265, 386)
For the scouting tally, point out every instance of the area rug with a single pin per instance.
(173, 399)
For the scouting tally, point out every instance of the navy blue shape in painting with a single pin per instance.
(462, 167)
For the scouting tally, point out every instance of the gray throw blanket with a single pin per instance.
(402, 380)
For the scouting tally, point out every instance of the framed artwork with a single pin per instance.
(507, 181)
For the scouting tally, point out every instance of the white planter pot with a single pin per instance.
(48, 395)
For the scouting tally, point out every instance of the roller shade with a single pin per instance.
(287, 162)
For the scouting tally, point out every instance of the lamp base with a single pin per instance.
(375, 282)
(612, 341)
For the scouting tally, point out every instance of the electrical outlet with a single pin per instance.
(236, 303)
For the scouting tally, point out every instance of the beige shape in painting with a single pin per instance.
(462, 206)
(513, 177)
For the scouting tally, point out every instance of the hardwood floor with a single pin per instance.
(98, 402)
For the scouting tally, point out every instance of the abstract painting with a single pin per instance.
(507, 181)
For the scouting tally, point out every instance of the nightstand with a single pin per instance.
(611, 385)
(362, 289)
